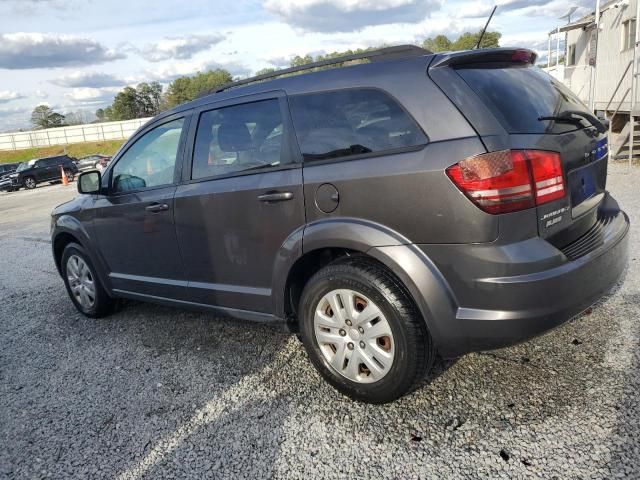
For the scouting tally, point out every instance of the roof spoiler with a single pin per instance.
(487, 55)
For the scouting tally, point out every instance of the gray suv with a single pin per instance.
(409, 205)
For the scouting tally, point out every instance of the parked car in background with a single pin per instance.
(5, 170)
(90, 162)
(417, 204)
(39, 170)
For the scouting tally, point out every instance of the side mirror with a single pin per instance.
(89, 182)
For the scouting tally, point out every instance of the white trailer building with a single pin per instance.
(599, 64)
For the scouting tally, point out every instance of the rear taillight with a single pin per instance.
(510, 180)
(546, 170)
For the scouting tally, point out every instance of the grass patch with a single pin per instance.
(108, 147)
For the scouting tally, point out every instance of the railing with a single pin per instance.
(617, 109)
(94, 132)
(626, 70)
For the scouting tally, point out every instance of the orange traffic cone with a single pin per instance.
(65, 182)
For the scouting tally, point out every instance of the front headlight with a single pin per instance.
(13, 175)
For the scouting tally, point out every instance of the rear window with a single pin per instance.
(518, 96)
(351, 122)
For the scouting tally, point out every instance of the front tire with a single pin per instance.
(30, 183)
(83, 284)
(70, 175)
(363, 332)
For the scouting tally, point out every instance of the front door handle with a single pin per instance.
(157, 207)
(275, 197)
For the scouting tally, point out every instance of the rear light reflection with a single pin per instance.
(510, 180)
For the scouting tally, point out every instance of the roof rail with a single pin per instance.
(378, 55)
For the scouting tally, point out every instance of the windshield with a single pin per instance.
(22, 166)
(518, 96)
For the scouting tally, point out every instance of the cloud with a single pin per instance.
(180, 48)
(88, 79)
(8, 95)
(7, 112)
(350, 15)
(38, 50)
(91, 95)
(545, 8)
(555, 8)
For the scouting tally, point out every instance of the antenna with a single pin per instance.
(485, 27)
(568, 14)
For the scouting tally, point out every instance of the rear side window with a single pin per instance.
(238, 138)
(518, 96)
(351, 122)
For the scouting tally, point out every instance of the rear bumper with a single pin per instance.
(498, 311)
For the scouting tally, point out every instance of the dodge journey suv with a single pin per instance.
(386, 211)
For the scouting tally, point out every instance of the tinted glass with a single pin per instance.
(518, 96)
(238, 138)
(351, 122)
(150, 161)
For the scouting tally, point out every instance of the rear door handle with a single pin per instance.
(275, 197)
(157, 207)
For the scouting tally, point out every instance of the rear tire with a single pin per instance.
(30, 183)
(377, 324)
(83, 284)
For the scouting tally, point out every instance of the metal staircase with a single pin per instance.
(626, 144)
(621, 147)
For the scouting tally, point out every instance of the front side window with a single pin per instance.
(351, 122)
(238, 138)
(150, 161)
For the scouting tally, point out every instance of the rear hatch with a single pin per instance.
(516, 106)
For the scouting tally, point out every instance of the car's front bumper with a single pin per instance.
(6, 184)
(549, 289)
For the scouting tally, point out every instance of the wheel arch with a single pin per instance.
(68, 229)
(327, 240)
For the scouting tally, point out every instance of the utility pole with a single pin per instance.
(592, 89)
(634, 87)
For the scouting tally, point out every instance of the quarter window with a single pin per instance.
(351, 122)
(150, 161)
(238, 138)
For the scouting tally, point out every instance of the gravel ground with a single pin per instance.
(153, 392)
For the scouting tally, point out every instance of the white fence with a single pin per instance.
(94, 132)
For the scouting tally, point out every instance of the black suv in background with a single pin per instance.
(29, 174)
(386, 211)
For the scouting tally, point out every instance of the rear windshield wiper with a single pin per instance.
(569, 116)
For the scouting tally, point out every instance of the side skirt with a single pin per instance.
(258, 317)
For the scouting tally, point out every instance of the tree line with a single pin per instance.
(149, 99)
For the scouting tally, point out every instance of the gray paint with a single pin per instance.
(474, 277)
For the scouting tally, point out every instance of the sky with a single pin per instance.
(77, 54)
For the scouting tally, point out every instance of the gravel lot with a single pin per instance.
(153, 392)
